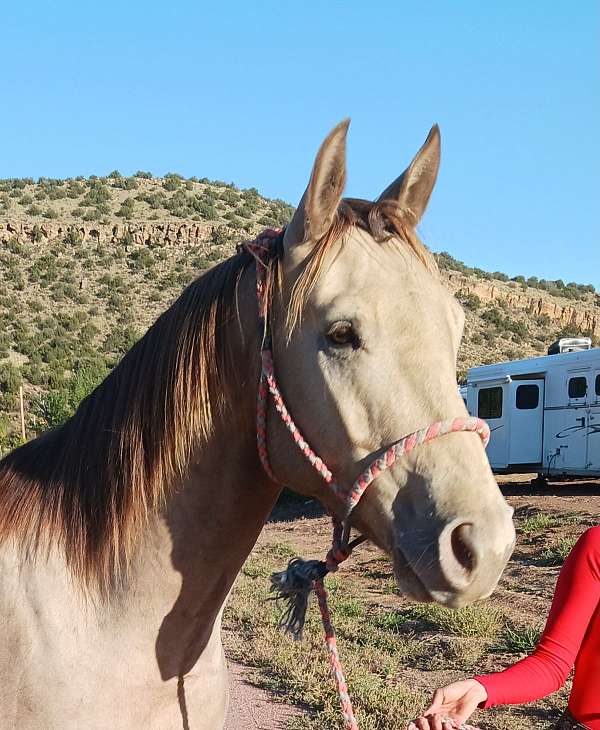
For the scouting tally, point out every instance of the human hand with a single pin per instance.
(451, 706)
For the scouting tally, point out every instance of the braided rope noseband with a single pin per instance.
(302, 576)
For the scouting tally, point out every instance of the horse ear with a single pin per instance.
(315, 212)
(413, 188)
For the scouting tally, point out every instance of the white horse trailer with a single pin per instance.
(544, 412)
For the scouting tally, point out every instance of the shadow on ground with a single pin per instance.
(291, 506)
(569, 488)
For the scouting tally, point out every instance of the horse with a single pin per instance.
(122, 531)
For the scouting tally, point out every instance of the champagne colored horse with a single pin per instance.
(122, 531)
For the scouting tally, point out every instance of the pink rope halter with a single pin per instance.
(295, 583)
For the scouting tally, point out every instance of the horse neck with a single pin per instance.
(213, 519)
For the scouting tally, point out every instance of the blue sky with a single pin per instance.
(245, 91)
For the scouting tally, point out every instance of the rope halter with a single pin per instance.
(294, 585)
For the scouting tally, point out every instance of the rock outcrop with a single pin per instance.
(582, 317)
(167, 234)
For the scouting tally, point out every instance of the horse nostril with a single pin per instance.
(461, 541)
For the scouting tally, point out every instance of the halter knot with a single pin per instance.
(336, 555)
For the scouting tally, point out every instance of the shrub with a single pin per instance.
(518, 639)
(229, 196)
(56, 407)
(127, 209)
(155, 199)
(538, 523)
(56, 193)
(469, 301)
(556, 552)
(127, 183)
(10, 378)
(120, 340)
(92, 214)
(72, 237)
(97, 194)
(172, 181)
(75, 189)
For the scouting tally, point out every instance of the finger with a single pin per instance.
(436, 722)
(423, 723)
(436, 703)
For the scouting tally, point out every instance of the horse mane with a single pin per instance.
(90, 485)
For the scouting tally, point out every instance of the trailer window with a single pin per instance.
(489, 403)
(598, 384)
(577, 387)
(528, 397)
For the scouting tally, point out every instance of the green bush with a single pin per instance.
(172, 181)
(10, 378)
(97, 194)
(72, 237)
(55, 407)
(127, 183)
(127, 209)
(469, 301)
(75, 189)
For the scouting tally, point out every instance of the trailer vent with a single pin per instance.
(570, 344)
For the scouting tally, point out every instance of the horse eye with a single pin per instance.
(342, 333)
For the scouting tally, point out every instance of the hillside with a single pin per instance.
(87, 264)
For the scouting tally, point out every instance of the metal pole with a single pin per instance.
(23, 433)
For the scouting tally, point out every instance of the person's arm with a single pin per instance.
(575, 599)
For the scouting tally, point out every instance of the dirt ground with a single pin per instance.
(525, 590)
(253, 708)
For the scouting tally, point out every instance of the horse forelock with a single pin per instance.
(383, 220)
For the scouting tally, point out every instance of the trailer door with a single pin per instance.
(572, 423)
(491, 407)
(593, 446)
(526, 421)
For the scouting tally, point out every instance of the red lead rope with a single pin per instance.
(295, 583)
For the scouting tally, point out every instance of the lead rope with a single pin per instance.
(294, 585)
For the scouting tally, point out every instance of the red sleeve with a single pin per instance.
(575, 599)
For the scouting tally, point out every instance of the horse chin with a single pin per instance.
(408, 581)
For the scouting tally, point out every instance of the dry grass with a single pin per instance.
(373, 656)
(395, 652)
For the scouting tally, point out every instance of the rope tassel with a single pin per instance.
(292, 588)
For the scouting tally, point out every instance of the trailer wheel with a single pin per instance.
(540, 482)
